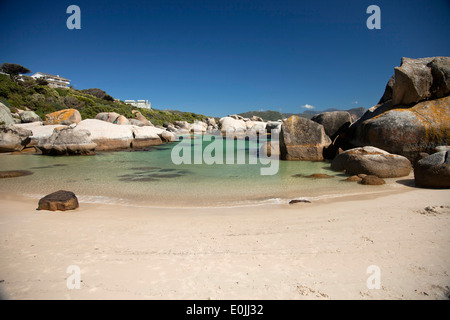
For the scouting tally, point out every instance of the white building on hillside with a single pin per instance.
(53, 81)
(139, 103)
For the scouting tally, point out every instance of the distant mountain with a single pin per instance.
(265, 115)
(275, 115)
(358, 112)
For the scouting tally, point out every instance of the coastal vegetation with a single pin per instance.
(42, 99)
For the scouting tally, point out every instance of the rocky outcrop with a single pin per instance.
(136, 122)
(433, 171)
(67, 141)
(256, 118)
(145, 137)
(302, 139)
(408, 131)
(38, 130)
(420, 79)
(63, 117)
(372, 161)
(110, 117)
(232, 125)
(5, 115)
(29, 116)
(13, 138)
(141, 118)
(106, 135)
(60, 200)
(333, 122)
(412, 117)
(198, 127)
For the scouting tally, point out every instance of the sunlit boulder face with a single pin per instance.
(372, 161)
(13, 138)
(67, 141)
(412, 117)
(408, 131)
(106, 135)
(302, 139)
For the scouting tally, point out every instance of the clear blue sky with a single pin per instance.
(224, 57)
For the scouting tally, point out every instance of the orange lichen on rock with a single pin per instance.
(64, 117)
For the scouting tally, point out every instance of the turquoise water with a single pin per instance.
(151, 178)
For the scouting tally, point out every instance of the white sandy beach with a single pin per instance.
(304, 251)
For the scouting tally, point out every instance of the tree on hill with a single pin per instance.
(13, 70)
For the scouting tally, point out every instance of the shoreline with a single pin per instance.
(389, 189)
(319, 250)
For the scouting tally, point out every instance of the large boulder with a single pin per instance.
(5, 115)
(417, 80)
(372, 161)
(13, 138)
(433, 171)
(412, 81)
(198, 127)
(232, 125)
(182, 125)
(302, 139)
(333, 122)
(38, 130)
(60, 200)
(106, 135)
(64, 117)
(110, 117)
(146, 136)
(29, 116)
(406, 131)
(141, 118)
(67, 141)
(211, 122)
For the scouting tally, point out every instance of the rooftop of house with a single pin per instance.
(50, 75)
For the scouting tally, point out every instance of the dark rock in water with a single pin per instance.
(14, 173)
(320, 176)
(60, 200)
(145, 168)
(353, 179)
(167, 170)
(302, 139)
(373, 161)
(433, 171)
(299, 201)
(372, 180)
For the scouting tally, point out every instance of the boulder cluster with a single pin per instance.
(408, 128)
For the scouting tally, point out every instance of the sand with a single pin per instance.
(320, 250)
